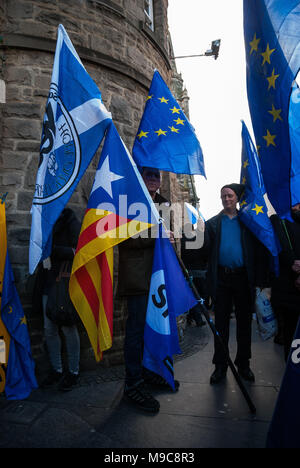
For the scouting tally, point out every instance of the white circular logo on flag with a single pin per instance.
(60, 152)
(157, 312)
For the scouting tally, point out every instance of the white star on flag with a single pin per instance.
(105, 177)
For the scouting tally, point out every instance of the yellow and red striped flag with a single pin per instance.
(117, 191)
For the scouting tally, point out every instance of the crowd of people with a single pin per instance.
(226, 269)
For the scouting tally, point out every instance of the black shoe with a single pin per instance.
(218, 375)
(139, 396)
(68, 382)
(159, 382)
(246, 374)
(52, 379)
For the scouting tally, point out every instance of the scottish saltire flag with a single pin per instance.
(253, 209)
(272, 40)
(166, 139)
(284, 427)
(169, 297)
(74, 124)
(119, 207)
(20, 368)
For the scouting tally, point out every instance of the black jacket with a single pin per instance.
(284, 293)
(135, 261)
(65, 237)
(255, 255)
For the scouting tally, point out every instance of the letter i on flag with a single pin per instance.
(169, 297)
(118, 186)
(74, 125)
(19, 377)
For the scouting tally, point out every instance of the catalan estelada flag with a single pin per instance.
(119, 207)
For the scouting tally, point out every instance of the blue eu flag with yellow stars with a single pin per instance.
(166, 140)
(19, 378)
(254, 212)
(272, 41)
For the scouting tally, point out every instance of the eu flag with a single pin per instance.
(284, 428)
(74, 125)
(20, 377)
(254, 212)
(166, 139)
(169, 297)
(272, 36)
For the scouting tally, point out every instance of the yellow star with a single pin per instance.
(271, 79)
(149, 97)
(258, 209)
(174, 130)
(243, 203)
(161, 132)
(244, 180)
(162, 99)
(23, 320)
(10, 310)
(269, 139)
(143, 134)
(258, 149)
(175, 110)
(275, 113)
(254, 44)
(246, 164)
(267, 54)
(179, 121)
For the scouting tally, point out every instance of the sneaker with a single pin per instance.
(52, 379)
(139, 396)
(68, 382)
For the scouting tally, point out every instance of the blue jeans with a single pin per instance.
(134, 339)
(53, 341)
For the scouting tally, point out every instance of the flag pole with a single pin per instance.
(217, 336)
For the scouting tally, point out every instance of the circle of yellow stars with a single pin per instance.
(267, 54)
(173, 129)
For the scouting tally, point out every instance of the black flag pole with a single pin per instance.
(217, 336)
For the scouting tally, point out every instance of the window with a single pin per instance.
(149, 14)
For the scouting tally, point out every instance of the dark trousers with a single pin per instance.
(134, 339)
(233, 289)
(290, 322)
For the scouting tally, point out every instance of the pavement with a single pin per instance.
(94, 415)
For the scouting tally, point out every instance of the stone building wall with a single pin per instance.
(120, 53)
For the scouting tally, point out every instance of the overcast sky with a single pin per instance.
(217, 88)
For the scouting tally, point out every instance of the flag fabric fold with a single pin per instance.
(20, 377)
(284, 428)
(169, 296)
(74, 124)
(272, 41)
(254, 212)
(118, 208)
(166, 140)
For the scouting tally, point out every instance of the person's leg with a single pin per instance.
(135, 390)
(134, 339)
(71, 378)
(222, 309)
(73, 348)
(290, 322)
(53, 343)
(243, 311)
